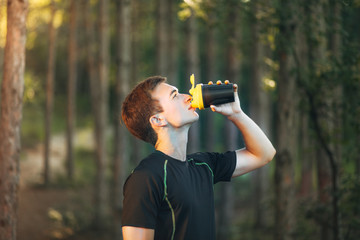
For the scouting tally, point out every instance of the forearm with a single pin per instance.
(138, 233)
(258, 149)
(256, 142)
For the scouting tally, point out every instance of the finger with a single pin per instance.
(213, 108)
(235, 86)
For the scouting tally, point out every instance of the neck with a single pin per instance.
(173, 142)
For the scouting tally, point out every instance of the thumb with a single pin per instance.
(214, 108)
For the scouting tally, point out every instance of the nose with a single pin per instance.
(187, 97)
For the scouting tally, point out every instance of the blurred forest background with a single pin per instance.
(297, 64)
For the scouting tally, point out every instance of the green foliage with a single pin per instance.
(84, 171)
(32, 126)
(349, 207)
(307, 224)
(33, 123)
(33, 89)
(246, 230)
(313, 213)
(319, 77)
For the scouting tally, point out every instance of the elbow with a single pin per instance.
(270, 155)
(273, 152)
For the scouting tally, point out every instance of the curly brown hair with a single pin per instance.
(139, 106)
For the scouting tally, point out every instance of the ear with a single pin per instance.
(157, 120)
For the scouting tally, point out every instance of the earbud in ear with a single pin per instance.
(157, 120)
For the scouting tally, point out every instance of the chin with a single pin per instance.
(196, 116)
(194, 119)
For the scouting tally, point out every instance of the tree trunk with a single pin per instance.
(138, 145)
(11, 114)
(122, 153)
(336, 101)
(306, 190)
(322, 119)
(49, 94)
(210, 71)
(193, 67)
(71, 103)
(306, 144)
(135, 16)
(91, 66)
(166, 47)
(102, 87)
(2, 19)
(173, 44)
(90, 62)
(90, 57)
(98, 75)
(286, 124)
(329, 123)
(226, 212)
(260, 113)
(162, 37)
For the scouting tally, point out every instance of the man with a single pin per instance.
(169, 195)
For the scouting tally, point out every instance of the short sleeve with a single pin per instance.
(222, 164)
(142, 199)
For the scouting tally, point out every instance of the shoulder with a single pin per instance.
(149, 169)
(152, 163)
(143, 193)
(199, 156)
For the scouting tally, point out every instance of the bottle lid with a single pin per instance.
(196, 93)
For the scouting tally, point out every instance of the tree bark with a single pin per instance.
(11, 114)
(49, 93)
(98, 75)
(193, 67)
(71, 103)
(138, 145)
(322, 113)
(336, 101)
(162, 37)
(226, 213)
(135, 38)
(286, 125)
(102, 87)
(306, 190)
(173, 44)
(122, 153)
(210, 71)
(259, 112)
(90, 61)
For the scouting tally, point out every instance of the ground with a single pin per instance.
(52, 212)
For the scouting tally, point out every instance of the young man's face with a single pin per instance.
(177, 109)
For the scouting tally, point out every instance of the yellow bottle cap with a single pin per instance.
(196, 93)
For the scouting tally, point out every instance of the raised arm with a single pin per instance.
(131, 233)
(258, 149)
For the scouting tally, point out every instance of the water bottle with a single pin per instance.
(204, 95)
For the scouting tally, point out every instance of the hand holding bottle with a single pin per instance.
(205, 95)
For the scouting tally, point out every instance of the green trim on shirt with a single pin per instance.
(202, 163)
(168, 202)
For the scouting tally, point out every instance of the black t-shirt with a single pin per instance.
(176, 198)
